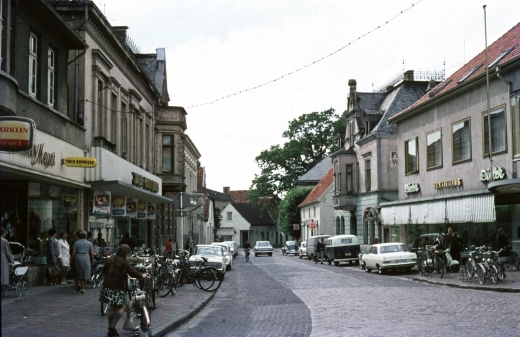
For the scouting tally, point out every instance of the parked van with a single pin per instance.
(312, 241)
(342, 248)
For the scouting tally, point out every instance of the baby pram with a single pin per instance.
(18, 270)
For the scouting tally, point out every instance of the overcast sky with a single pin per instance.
(219, 48)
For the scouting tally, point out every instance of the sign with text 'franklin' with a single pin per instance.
(16, 133)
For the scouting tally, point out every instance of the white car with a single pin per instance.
(227, 253)
(215, 255)
(263, 247)
(302, 251)
(234, 247)
(388, 256)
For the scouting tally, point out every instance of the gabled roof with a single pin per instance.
(239, 196)
(253, 215)
(319, 189)
(370, 100)
(315, 174)
(508, 44)
(215, 195)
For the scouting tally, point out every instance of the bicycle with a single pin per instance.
(96, 280)
(512, 260)
(201, 276)
(434, 261)
(247, 252)
(168, 279)
(474, 265)
(137, 303)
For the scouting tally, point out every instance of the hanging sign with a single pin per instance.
(87, 162)
(16, 133)
(150, 211)
(102, 202)
(142, 210)
(296, 226)
(119, 205)
(131, 207)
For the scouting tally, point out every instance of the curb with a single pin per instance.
(178, 321)
(454, 285)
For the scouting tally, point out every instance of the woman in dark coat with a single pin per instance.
(82, 255)
(113, 291)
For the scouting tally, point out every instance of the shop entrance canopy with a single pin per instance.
(120, 188)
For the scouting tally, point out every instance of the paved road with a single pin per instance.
(286, 296)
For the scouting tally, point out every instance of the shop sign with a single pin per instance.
(498, 174)
(313, 225)
(131, 207)
(87, 162)
(102, 202)
(38, 156)
(448, 183)
(412, 188)
(118, 205)
(141, 210)
(70, 198)
(296, 226)
(150, 211)
(143, 182)
(16, 133)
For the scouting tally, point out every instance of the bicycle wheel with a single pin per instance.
(104, 308)
(514, 261)
(500, 273)
(18, 289)
(419, 264)
(470, 270)
(218, 280)
(481, 273)
(205, 278)
(145, 323)
(25, 288)
(165, 284)
(494, 274)
(439, 267)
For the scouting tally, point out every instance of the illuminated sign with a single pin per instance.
(498, 173)
(448, 183)
(143, 182)
(16, 133)
(411, 188)
(79, 162)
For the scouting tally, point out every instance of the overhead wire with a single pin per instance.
(309, 64)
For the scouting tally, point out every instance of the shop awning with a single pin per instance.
(120, 188)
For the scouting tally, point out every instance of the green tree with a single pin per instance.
(310, 138)
(288, 213)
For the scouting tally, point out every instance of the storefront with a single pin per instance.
(123, 199)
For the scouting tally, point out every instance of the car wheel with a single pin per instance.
(336, 263)
(364, 266)
(256, 255)
(408, 269)
(367, 270)
(330, 262)
(301, 256)
(380, 270)
(228, 267)
(270, 254)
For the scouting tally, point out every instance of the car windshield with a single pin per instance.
(262, 244)
(223, 247)
(392, 249)
(290, 246)
(208, 251)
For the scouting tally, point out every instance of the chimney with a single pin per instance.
(120, 32)
(408, 76)
(352, 97)
(431, 85)
(226, 190)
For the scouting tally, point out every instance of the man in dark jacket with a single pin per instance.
(451, 240)
(320, 250)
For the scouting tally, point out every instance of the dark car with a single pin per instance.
(290, 248)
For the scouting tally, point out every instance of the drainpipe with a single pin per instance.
(500, 77)
(76, 70)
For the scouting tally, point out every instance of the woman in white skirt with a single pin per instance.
(64, 256)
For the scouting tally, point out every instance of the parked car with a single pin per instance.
(234, 247)
(263, 247)
(424, 239)
(342, 248)
(312, 241)
(388, 256)
(227, 253)
(289, 248)
(302, 251)
(215, 255)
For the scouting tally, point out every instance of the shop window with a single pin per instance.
(167, 153)
(497, 119)
(434, 150)
(411, 158)
(51, 77)
(461, 141)
(515, 121)
(33, 64)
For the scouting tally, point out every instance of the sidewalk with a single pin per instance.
(61, 311)
(510, 284)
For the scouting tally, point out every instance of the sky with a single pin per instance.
(303, 51)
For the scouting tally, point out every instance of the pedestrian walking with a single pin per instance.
(7, 257)
(113, 291)
(320, 250)
(64, 256)
(52, 258)
(127, 240)
(169, 249)
(188, 246)
(83, 256)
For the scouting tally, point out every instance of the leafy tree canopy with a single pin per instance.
(310, 138)
(288, 213)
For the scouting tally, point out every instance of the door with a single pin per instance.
(244, 236)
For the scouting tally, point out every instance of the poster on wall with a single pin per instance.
(131, 207)
(102, 202)
(142, 210)
(150, 211)
(119, 205)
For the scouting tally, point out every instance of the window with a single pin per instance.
(113, 112)
(434, 149)
(124, 130)
(33, 64)
(229, 216)
(337, 227)
(368, 176)
(314, 210)
(461, 141)
(515, 121)
(100, 109)
(342, 229)
(411, 159)
(498, 131)
(350, 179)
(50, 77)
(167, 153)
